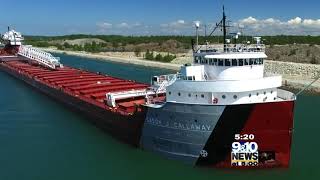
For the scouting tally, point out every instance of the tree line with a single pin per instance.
(44, 41)
(166, 58)
(88, 47)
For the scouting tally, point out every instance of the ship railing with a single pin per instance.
(40, 56)
(230, 48)
(112, 97)
(158, 80)
(161, 82)
(162, 87)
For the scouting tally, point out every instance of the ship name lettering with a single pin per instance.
(178, 125)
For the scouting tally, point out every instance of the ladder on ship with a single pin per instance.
(170, 79)
(40, 56)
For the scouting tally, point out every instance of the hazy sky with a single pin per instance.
(158, 17)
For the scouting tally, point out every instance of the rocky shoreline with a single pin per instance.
(296, 76)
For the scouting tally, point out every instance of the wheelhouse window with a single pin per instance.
(197, 59)
(260, 61)
(234, 62)
(202, 59)
(246, 62)
(250, 61)
(241, 62)
(215, 62)
(227, 62)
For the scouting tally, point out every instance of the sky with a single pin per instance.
(159, 17)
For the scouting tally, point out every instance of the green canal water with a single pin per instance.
(41, 139)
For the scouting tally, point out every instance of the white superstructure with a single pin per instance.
(232, 76)
(15, 39)
(225, 74)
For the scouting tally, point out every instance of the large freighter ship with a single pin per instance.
(220, 111)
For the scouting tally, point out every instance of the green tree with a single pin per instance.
(149, 56)
(94, 47)
(158, 57)
(137, 51)
(60, 47)
(115, 46)
(67, 45)
(168, 58)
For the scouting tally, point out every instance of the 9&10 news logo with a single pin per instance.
(244, 151)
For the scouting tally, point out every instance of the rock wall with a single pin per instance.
(308, 71)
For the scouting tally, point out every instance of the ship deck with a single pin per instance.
(87, 86)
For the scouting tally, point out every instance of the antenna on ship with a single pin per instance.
(197, 24)
(205, 30)
(241, 29)
(223, 25)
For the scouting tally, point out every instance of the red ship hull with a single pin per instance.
(122, 124)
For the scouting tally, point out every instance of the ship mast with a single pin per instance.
(224, 27)
(222, 24)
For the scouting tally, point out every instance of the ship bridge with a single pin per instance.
(12, 38)
(227, 62)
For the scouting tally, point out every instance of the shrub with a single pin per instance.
(313, 60)
(159, 57)
(292, 52)
(168, 58)
(308, 53)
